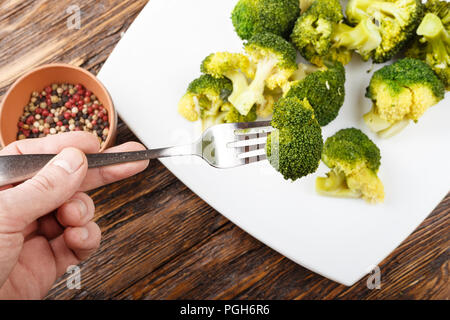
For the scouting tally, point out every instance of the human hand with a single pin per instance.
(46, 222)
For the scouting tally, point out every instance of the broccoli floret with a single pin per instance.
(380, 29)
(432, 42)
(258, 16)
(234, 66)
(354, 161)
(295, 146)
(401, 92)
(275, 61)
(312, 33)
(231, 115)
(206, 99)
(325, 91)
(395, 20)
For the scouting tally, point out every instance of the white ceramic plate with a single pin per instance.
(340, 239)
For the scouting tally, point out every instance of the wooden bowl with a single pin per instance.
(18, 96)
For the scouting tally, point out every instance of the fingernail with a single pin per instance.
(81, 207)
(70, 160)
(84, 233)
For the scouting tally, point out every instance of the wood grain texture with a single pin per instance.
(160, 241)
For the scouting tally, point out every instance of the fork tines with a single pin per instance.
(251, 141)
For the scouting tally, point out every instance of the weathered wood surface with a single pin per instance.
(160, 241)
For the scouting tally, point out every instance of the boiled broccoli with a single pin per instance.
(295, 146)
(206, 99)
(259, 16)
(275, 61)
(378, 30)
(325, 91)
(395, 20)
(432, 42)
(401, 92)
(312, 34)
(304, 5)
(354, 161)
(234, 66)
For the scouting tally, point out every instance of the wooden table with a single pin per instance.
(160, 241)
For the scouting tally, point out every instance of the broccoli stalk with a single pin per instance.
(435, 34)
(363, 38)
(432, 43)
(396, 21)
(275, 60)
(253, 94)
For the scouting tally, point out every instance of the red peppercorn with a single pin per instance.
(26, 133)
(94, 122)
(38, 111)
(68, 104)
(100, 114)
(100, 108)
(80, 103)
(87, 100)
(74, 114)
(67, 115)
(79, 87)
(105, 118)
(48, 90)
(88, 93)
(90, 110)
(30, 120)
(95, 106)
(76, 97)
(35, 130)
(46, 131)
(20, 124)
(59, 124)
(45, 113)
(80, 92)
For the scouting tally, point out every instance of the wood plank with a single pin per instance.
(233, 265)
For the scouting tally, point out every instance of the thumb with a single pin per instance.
(47, 190)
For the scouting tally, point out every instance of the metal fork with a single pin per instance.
(222, 146)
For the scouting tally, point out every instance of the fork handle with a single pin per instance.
(18, 168)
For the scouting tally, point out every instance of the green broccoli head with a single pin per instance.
(395, 20)
(225, 64)
(275, 61)
(312, 33)
(432, 42)
(401, 92)
(354, 161)
(325, 91)
(204, 98)
(235, 66)
(251, 17)
(295, 146)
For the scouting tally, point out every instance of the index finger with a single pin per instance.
(54, 144)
